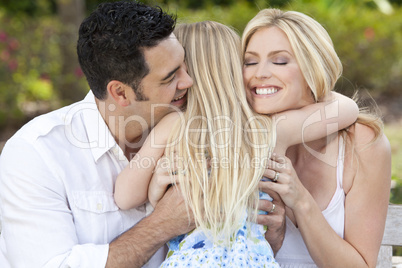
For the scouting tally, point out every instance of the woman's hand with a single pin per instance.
(285, 181)
(275, 218)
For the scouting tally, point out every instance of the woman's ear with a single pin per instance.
(119, 92)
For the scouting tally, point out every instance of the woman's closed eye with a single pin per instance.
(250, 60)
(280, 61)
(250, 63)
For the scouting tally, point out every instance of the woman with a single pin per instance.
(335, 189)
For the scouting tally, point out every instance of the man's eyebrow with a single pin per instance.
(171, 73)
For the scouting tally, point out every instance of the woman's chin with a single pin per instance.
(264, 110)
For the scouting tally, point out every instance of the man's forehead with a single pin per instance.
(167, 55)
(171, 40)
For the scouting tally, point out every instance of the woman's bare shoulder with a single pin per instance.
(366, 157)
(364, 140)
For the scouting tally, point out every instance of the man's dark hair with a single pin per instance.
(112, 40)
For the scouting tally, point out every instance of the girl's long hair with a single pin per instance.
(219, 150)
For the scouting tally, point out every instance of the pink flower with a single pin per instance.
(369, 34)
(78, 72)
(3, 36)
(12, 65)
(13, 44)
(5, 55)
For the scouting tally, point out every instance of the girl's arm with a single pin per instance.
(131, 189)
(314, 121)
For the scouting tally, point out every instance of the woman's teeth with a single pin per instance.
(266, 91)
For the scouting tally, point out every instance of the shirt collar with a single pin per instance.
(99, 136)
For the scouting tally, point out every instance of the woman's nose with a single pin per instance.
(263, 72)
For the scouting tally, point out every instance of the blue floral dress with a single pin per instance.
(249, 249)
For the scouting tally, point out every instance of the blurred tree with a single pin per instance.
(29, 7)
(71, 14)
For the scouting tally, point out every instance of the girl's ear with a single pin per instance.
(120, 92)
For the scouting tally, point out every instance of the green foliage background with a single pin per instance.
(368, 41)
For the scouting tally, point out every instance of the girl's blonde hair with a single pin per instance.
(314, 52)
(223, 145)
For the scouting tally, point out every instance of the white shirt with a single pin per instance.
(57, 176)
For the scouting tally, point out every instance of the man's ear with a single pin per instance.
(119, 92)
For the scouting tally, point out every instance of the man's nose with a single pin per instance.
(185, 82)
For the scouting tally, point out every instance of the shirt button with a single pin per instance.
(99, 206)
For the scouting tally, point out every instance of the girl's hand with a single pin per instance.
(285, 181)
(161, 180)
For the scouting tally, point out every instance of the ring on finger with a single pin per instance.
(273, 208)
(275, 179)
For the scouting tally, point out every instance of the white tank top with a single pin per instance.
(293, 252)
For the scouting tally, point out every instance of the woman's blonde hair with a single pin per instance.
(314, 52)
(223, 145)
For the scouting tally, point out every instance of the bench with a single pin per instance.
(392, 237)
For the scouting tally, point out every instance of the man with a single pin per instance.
(57, 173)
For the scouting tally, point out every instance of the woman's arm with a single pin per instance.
(367, 196)
(314, 121)
(365, 210)
(131, 189)
(367, 200)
